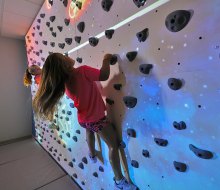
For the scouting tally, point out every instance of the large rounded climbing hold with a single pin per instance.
(174, 84)
(142, 35)
(113, 59)
(131, 133)
(77, 39)
(177, 20)
(93, 41)
(81, 26)
(145, 68)
(161, 142)
(139, 3)
(205, 154)
(135, 164)
(181, 167)
(130, 101)
(109, 33)
(180, 126)
(106, 5)
(131, 55)
(68, 41)
(52, 18)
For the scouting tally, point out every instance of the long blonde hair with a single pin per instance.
(52, 85)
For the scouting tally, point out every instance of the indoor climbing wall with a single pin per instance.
(162, 94)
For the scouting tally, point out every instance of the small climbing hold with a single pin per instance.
(181, 167)
(180, 126)
(131, 55)
(146, 153)
(54, 34)
(109, 101)
(77, 39)
(84, 159)
(79, 60)
(131, 133)
(65, 3)
(145, 68)
(161, 142)
(139, 3)
(68, 41)
(79, 4)
(81, 26)
(177, 20)
(40, 33)
(113, 59)
(45, 42)
(52, 18)
(205, 154)
(70, 164)
(95, 174)
(101, 169)
(68, 134)
(93, 41)
(67, 21)
(48, 24)
(52, 44)
(78, 131)
(75, 175)
(135, 164)
(106, 5)
(75, 138)
(61, 45)
(142, 35)
(109, 33)
(117, 86)
(42, 15)
(38, 27)
(60, 28)
(81, 165)
(174, 84)
(50, 2)
(130, 101)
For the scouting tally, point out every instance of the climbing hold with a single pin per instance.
(72, 105)
(131, 55)
(48, 24)
(145, 68)
(161, 142)
(139, 3)
(75, 138)
(61, 45)
(68, 134)
(81, 165)
(75, 175)
(60, 28)
(177, 20)
(181, 167)
(122, 144)
(65, 3)
(142, 35)
(109, 101)
(131, 133)
(78, 39)
(101, 169)
(38, 27)
(52, 44)
(69, 112)
(67, 55)
(205, 154)
(79, 4)
(109, 33)
(40, 33)
(70, 149)
(117, 86)
(70, 164)
(78, 131)
(67, 21)
(135, 164)
(174, 84)
(79, 60)
(106, 5)
(95, 174)
(39, 20)
(130, 101)
(33, 34)
(42, 15)
(93, 41)
(52, 18)
(146, 153)
(180, 126)
(84, 159)
(68, 41)
(51, 29)
(113, 59)
(45, 42)
(50, 2)
(81, 26)
(54, 34)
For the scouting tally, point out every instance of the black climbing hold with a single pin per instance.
(67, 21)
(54, 34)
(84, 159)
(69, 112)
(75, 138)
(78, 39)
(79, 4)
(174, 84)
(142, 35)
(106, 5)
(180, 126)
(52, 44)
(60, 28)
(205, 154)
(79, 60)
(181, 167)
(93, 41)
(61, 45)
(135, 164)
(40, 33)
(50, 2)
(177, 20)
(130, 101)
(72, 105)
(95, 174)
(51, 29)
(81, 165)
(81, 26)
(33, 34)
(65, 3)
(113, 59)
(131, 55)
(78, 131)
(101, 169)
(109, 101)
(109, 33)
(75, 175)
(161, 142)
(70, 149)
(48, 24)
(117, 86)
(68, 41)
(44, 42)
(42, 15)
(70, 164)
(38, 27)
(68, 134)
(36, 42)
(146, 153)
(139, 3)
(39, 20)
(145, 68)
(52, 18)
(131, 133)
(66, 54)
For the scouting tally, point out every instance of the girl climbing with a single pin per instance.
(58, 77)
(32, 70)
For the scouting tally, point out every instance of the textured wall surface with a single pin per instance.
(171, 127)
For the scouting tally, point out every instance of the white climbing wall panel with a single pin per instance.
(191, 55)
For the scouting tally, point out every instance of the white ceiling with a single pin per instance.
(16, 16)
